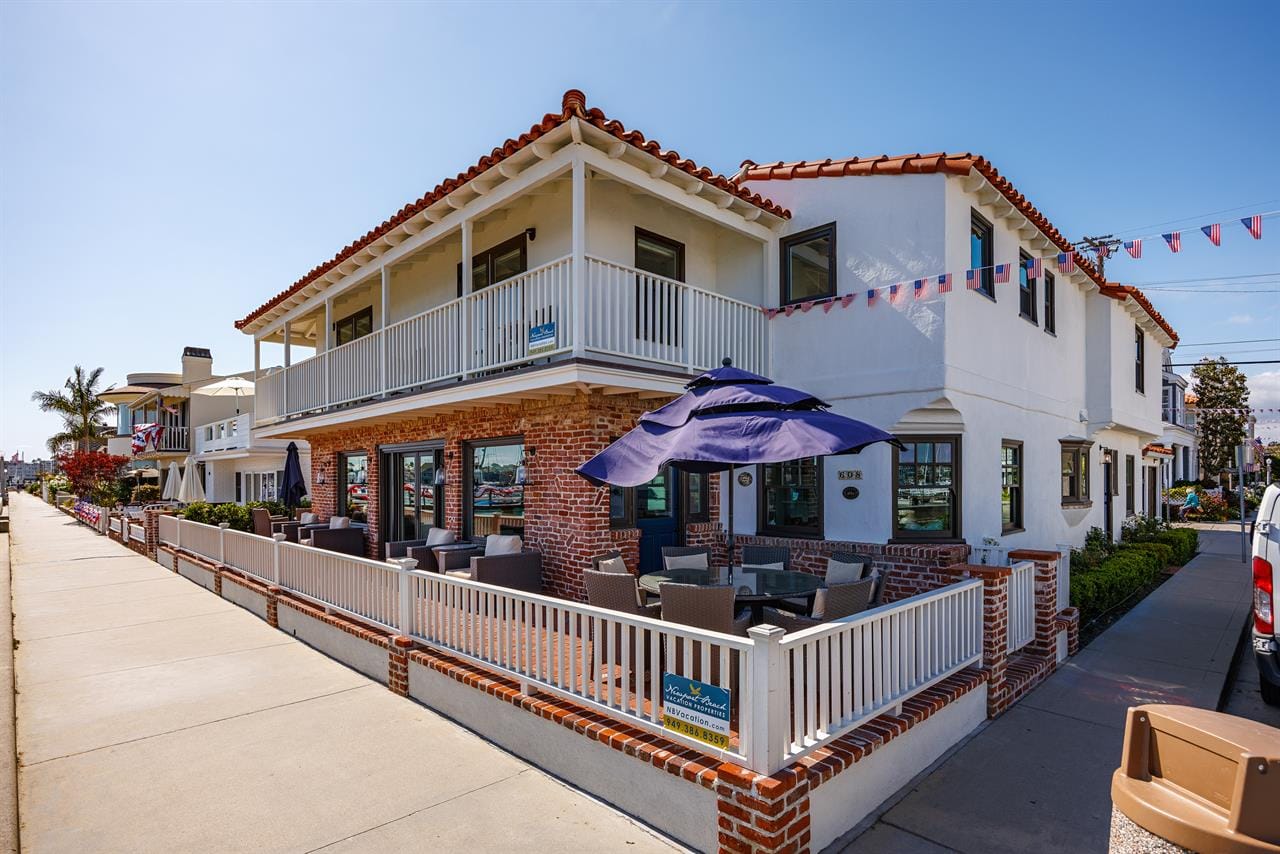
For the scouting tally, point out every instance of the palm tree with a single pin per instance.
(81, 409)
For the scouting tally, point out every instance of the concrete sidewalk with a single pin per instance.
(1038, 778)
(207, 730)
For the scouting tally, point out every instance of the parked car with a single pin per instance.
(1266, 580)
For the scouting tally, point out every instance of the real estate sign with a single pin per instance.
(696, 709)
(542, 338)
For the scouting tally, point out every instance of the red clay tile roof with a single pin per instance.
(948, 164)
(1153, 448)
(573, 104)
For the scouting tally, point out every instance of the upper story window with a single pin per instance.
(509, 258)
(1139, 360)
(353, 326)
(790, 498)
(1026, 289)
(982, 252)
(809, 264)
(659, 255)
(1050, 303)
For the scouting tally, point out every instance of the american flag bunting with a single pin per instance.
(944, 283)
(972, 279)
(1174, 240)
(919, 288)
(1254, 224)
(871, 296)
(1066, 262)
(1035, 268)
(1002, 274)
(1213, 232)
(1134, 248)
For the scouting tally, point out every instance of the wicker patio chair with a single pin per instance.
(841, 600)
(704, 607)
(618, 592)
(766, 555)
(612, 560)
(686, 552)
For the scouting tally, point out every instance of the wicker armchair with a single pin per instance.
(705, 607)
(345, 540)
(686, 551)
(608, 558)
(616, 592)
(841, 600)
(517, 570)
(765, 555)
(435, 537)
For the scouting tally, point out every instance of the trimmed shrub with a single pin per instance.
(275, 508)
(236, 517)
(1130, 569)
(145, 494)
(1183, 541)
(1162, 551)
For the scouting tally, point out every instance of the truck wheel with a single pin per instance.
(1270, 692)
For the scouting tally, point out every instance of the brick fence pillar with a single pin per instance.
(151, 532)
(1045, 642)
(995, 628)
(273, 607)
(761, 815)
(398, 665)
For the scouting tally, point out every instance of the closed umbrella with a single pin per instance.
(293, 487)
(191, 489)
(228, 387)
(729, 417)
(171, 482)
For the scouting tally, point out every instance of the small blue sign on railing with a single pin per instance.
(696, 709)
(542, 338)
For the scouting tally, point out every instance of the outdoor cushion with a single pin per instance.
(459, 573)
(309, 518)
(439, 537)
(698, 561)
(839, 572)
(502, 544)
(613, 564)
(764, 567)
(339, 522)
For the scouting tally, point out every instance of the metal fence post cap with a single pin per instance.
(279, 538)
(767, 633)
(404, 562)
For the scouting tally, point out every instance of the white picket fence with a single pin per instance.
(789, 694)
(1022, 605)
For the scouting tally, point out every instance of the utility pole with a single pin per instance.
(1102, 247)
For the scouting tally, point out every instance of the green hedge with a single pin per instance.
(234, 515)
(1163, 551)
(1131, 568)
(1183, 541)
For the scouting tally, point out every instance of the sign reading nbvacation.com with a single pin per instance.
(696, 709)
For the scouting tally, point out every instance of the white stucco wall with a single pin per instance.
(220, 474)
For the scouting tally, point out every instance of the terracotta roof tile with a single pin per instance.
(948, 164)
(573, 104)
(1154, 448)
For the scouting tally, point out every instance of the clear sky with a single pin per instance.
(165, 168)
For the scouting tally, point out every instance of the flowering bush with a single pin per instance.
(90, 471)
(1213, 508)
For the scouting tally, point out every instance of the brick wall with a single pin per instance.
(566, 518)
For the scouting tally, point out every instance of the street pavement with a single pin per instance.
(1038, 778)
(154, 716)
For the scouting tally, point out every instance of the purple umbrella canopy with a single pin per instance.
(729, 417)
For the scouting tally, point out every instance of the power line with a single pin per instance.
(1209, 291)
(1222, 279)
(1197, 216)
(1218, 343)
(1253, 362)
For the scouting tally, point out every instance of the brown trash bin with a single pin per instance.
(1195, 780)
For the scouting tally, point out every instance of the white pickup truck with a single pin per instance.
(1266, 580)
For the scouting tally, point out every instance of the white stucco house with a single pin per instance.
(1178, 414)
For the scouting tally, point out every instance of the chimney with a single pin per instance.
(197, 364)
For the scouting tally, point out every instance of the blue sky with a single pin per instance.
(165, 168)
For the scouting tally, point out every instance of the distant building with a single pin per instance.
(1177, 409)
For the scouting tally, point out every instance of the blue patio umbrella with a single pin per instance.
(293, 487)
(728, 418)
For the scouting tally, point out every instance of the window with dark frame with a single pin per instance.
(789, 496)
(509, 258)
(809, 265)
(353, 326)
(353, 486)
(1026, 289)
(658, 302)
(926, 477)
(1075, 473)
(1050, 303)
(493, 488)
(697, 497)
(1129, 465)
(1010, 486)
(1140, 359)
(982, 252)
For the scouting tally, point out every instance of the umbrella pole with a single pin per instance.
(730, 538)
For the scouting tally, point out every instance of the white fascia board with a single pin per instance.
(537, 173)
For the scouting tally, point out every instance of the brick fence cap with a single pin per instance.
(1042, 555)
(979, 571)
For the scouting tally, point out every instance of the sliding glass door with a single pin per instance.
(415, 499)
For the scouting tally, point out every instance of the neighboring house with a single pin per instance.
(235, 464)
(1177, 412)
(20, 472)
(603, 271)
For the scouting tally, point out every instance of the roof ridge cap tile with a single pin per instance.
(573, 105)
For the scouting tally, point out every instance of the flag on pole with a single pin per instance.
(1035, 268)
(1134, 248)
(1174, 240)
(1254, 224)
(918, 286)
(1066, 262)
(972, 279)
(944, 283)
(1002, 274)
(1213, 232)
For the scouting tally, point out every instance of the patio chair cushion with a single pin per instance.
(613, 564)
(337, 523)
(308, 518)
(698, 561)
(439, 537)
(502, 544)
(459, 573)
(840, 572)
(764, 567)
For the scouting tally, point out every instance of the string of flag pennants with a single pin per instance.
(1001, 274)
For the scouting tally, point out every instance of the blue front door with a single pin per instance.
(657, 517)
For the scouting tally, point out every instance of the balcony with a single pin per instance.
(626, 317)
(230, 434)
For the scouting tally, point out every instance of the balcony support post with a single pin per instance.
(383, 344)
(284, 381)
(328, 342)
(772, 283)
(257, 358)
(467, 255)
(578, 271)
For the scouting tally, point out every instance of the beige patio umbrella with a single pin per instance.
(191, 489)
(228, 387)
(147, 473)
(171, 482)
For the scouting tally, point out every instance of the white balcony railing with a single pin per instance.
(175, 439)
(629, 316)
(229, 434)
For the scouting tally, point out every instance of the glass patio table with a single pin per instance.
(756, 588)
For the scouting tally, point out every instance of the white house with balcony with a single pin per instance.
(215, 431)
(1179, 426)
